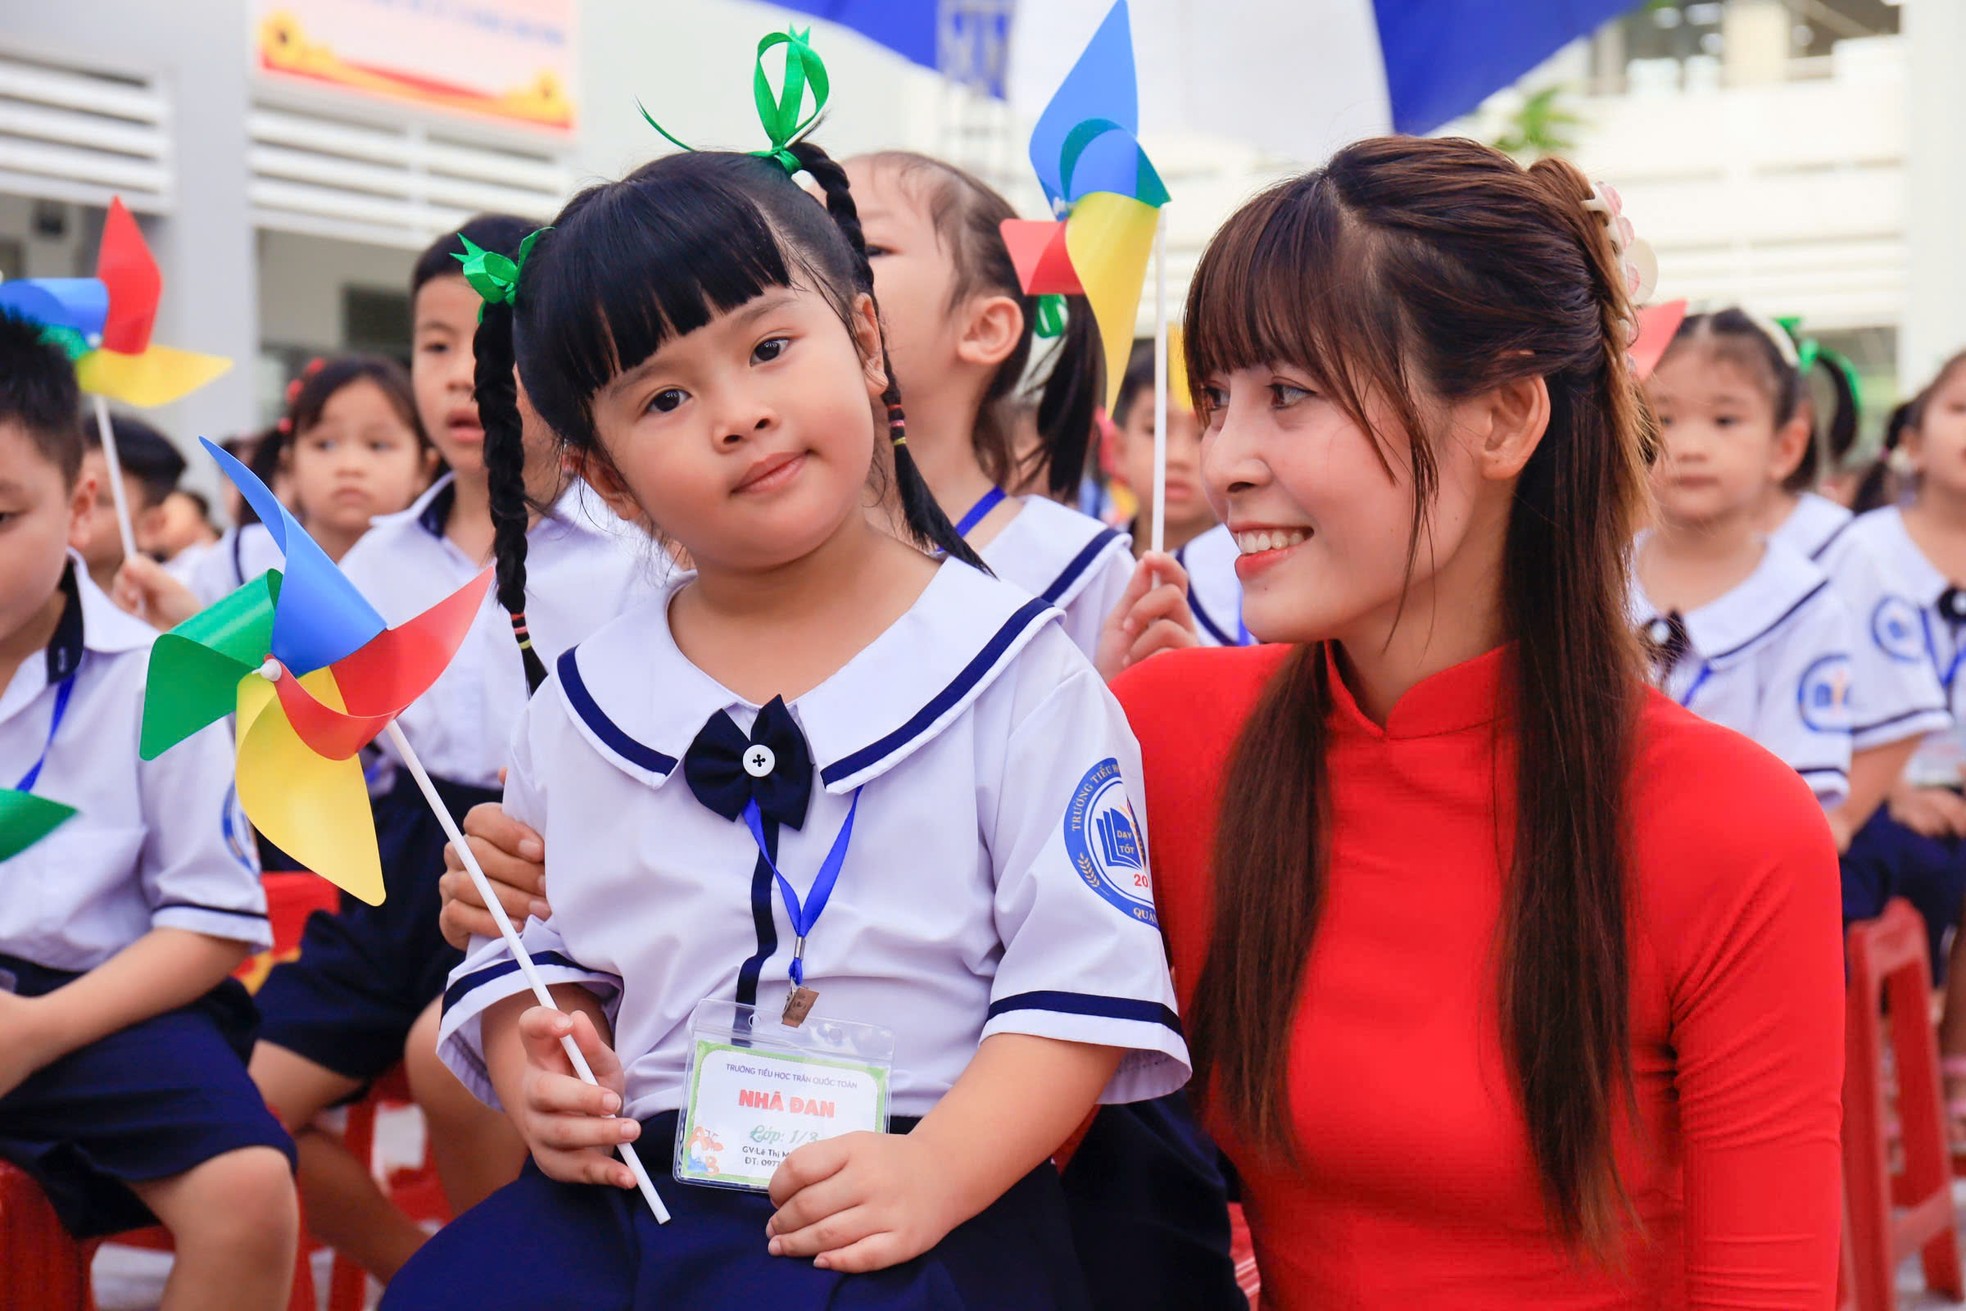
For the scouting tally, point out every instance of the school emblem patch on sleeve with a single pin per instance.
(1824, 695)
(1105, 843)
(1898, 629)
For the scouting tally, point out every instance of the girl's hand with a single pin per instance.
(1932, 812)
(1152, 616)
(859, 1202)
(22, 1049)
(513, 858)
(569, 1124)
(143, 588)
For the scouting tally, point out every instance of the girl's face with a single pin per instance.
(1719, 451)
(359, 460)
(444, 322)
(748, 441)
(914, 276)
(1188, 511)
(1937, 446)
(1321, 522)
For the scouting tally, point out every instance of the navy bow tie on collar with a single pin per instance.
(1667, 641)
(728, 770)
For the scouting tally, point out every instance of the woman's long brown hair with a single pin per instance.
(1416, 273)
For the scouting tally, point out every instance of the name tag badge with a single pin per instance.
(758, 1089)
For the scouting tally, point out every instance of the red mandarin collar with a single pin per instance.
(1464, 696)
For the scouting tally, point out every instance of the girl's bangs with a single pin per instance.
(630, 267)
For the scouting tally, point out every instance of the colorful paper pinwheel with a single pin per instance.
(104, 322)
(25, 819)
(1657, 326)
(313, 674)
(1086, 150)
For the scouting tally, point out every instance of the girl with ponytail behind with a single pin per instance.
(835, 780)
(361, 997)
(1509, 983)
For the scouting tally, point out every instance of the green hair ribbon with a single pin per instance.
(1809, 352)
(493, 276)
(1049, 321)
(778, 111)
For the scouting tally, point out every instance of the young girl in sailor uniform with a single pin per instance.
(826, 788)
(123, 1089)
(1743, 630)
(961, 332)
(1912, 848)
(340, 1015)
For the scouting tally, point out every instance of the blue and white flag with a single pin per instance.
(1295, 78)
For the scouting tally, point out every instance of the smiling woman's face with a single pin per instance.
(1322, 510)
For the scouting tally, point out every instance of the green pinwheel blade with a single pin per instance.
(25, 819)
(196, 667)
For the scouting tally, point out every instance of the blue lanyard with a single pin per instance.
(62, 692)
(980, 511)
(805, 914)
(1699, 681)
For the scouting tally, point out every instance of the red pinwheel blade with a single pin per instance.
(125, 265)
(1657, 325)
(381, 678)
(1038, 252)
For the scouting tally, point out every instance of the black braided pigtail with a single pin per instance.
(505, 473)
(919, 508)
(1069, 399)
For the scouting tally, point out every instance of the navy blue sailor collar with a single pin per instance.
(1729, 627)
(640, 702)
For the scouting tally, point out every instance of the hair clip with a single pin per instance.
(314, 366)
(778, 114)
(493, 276)
(293, 390)
(285, 426)
(1049, 321)
(1635, 257)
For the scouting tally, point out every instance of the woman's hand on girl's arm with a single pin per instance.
(513, 858)
(868, 1201)
(1152, 616)
(1933, 812)
(568, 1124)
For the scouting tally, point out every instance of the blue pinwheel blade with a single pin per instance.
(78, 303)
(1101, 85)
(320, 616)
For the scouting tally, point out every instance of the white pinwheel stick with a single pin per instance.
(1160, 380)
(518, 948)
(107, 433)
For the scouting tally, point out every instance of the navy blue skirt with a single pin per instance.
(147, 1102)
(1150, 1211)
(1888, 860)
(365, 973)
(537, 1245)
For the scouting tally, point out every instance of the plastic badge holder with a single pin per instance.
(757, 1090)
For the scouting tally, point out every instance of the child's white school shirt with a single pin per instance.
(1069, 560)
(1770, 659)
(584, 566)
(155, 844)
(996, 880)
(1214, 591)
(1894, 693)
(1929, 625)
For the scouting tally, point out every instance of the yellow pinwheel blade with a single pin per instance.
(159, 376)
(314, 809)
(1111, 240)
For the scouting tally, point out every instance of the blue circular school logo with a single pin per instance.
(1824, 695)
(238, 832)
(1898, 629)
(1105, 842)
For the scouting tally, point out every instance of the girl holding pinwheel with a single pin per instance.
(128, 894)
(345, 1011)
(847, 868)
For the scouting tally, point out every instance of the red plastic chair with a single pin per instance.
(1893, 1216)
(41, 1267)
